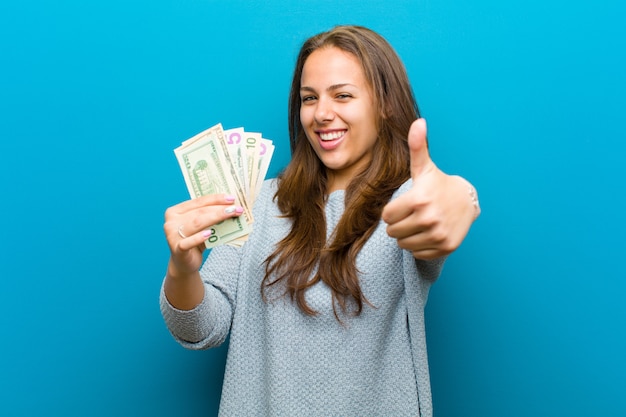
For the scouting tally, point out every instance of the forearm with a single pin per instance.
(183, 292)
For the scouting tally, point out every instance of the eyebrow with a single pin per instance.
(330, 88)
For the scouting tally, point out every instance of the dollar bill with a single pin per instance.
(265, 157)
(207, 170)
(229, 161)
(234, 140)
(252, 149)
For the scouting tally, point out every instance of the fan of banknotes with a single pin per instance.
(230, 161)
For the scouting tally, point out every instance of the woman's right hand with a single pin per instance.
(188, 225)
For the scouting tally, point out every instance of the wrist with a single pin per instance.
(175, 273)
(473, 197)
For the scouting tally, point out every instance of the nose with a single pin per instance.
(324, 111)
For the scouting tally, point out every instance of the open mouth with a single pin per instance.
(327, 136)
(331, 140)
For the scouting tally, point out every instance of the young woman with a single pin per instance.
(324, 304)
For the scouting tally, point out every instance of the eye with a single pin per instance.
(343, 96)
(307, 99)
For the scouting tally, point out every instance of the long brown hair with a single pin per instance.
(302, 186)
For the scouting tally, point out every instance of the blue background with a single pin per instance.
(524, 98)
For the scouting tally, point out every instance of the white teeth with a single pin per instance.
(331, 135)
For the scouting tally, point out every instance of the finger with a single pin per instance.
(418, 148)
(201, 229)
(405, 228)
(429, 254)
(397, 210)
(402, 207)
(196, 240)
(434, 239)
(199, 221)
(203, 201)
(418, 243)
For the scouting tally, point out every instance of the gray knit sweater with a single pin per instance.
(282, 362)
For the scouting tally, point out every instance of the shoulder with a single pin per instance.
(266, 195)
(264, 207)
(406, 186)
(271, 185)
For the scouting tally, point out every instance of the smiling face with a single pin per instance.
(338, 113)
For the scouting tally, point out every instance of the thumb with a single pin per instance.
(418, 148)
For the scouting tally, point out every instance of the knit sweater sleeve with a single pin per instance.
(419, 275)
(208, 324)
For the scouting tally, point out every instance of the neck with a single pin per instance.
(336, 182)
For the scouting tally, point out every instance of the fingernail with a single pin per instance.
(230, 198)
(207, 233)
(231, 210)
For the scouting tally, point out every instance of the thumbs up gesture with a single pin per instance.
(434, 216)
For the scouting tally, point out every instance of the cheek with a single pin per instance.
(306, 128)
(371, 124)
(305, 116)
